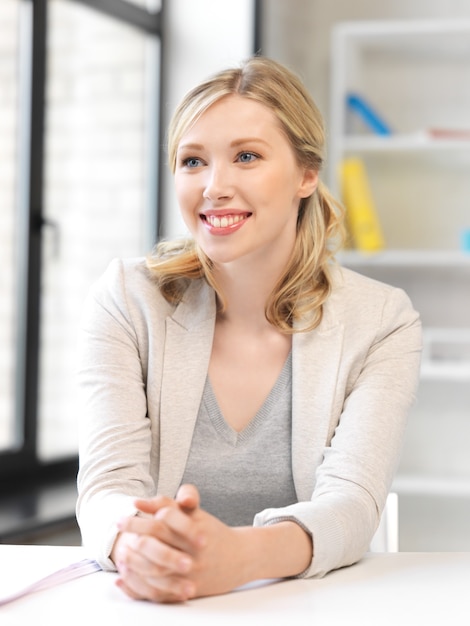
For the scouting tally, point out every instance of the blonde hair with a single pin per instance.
(306, 283)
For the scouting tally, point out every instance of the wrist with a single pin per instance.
(280, 550)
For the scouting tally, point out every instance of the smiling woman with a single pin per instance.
(235, 424)
(295, 123)
(249, 188)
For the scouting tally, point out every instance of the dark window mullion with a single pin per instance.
(257, 29)
(32, 43)
(34, 206)
(38, 82)
(128, 13)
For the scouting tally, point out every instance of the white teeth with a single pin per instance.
(225, 221)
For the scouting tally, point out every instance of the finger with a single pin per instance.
(186, 531)
(157, 584)
(170, 525)
(188, 497)
(148, 556)
(152, 526)
(152, 505)
(164, 589)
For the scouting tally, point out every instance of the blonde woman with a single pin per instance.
(244, 398)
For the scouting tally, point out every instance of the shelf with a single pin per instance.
(442, 370)
(373, 30)
(452, 486)
(413, 142)
(405, 258)
(446, 354)
(415, 75)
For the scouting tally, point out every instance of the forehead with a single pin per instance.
(235, 113)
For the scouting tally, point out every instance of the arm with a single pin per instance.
(181, 551)
(115, 432)
(374, 387)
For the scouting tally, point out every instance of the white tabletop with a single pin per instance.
(402, 588)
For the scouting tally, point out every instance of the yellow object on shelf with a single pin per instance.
(361, 214)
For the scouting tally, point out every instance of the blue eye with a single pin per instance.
(192, 162)
(247, 157)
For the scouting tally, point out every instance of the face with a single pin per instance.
(238, 183)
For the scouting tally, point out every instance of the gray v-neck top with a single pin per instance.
(239, 474)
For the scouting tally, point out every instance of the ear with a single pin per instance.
(308, 183)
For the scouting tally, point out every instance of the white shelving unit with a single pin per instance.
(417, 75)
(412, 142)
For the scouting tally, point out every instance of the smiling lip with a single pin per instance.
(224, 222)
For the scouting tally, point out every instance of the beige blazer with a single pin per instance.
(142, 369)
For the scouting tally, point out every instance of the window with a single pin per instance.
(79, 90)
(9, 86)
(95, 177)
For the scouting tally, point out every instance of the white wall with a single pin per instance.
(298, 32)
(201, 37)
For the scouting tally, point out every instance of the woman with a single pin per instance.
(244, 398)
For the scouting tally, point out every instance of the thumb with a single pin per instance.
(188, 498)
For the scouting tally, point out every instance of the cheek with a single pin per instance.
(184, 194)
(188, 203)
(281, 188)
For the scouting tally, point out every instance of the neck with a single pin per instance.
(246, 292)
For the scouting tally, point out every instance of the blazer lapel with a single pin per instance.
(188, 344)
(315, 365)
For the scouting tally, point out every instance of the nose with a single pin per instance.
(219, 183)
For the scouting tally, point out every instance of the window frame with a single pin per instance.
(22, 465)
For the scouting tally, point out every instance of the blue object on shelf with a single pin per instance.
(375, 122)
(465, 240)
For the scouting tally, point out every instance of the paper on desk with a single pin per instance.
(74, 570)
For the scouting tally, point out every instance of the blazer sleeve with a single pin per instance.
(114, 427)
(375, 389)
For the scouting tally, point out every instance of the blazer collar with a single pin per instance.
(188, 345)
(316, 357)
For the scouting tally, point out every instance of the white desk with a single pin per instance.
(406, 589)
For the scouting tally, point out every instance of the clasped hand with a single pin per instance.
(176, 551)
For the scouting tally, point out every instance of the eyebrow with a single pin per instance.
(233, 144)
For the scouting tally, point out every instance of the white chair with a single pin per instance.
(386, 535)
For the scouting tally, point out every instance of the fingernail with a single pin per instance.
(189, 590)
(185, 564)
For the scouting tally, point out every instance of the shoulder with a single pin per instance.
(129, 285)
(358, 300)
(346, 281)
(126, 281)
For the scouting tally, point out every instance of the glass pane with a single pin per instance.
(9, 68)
(97, 126)
(150, 5)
